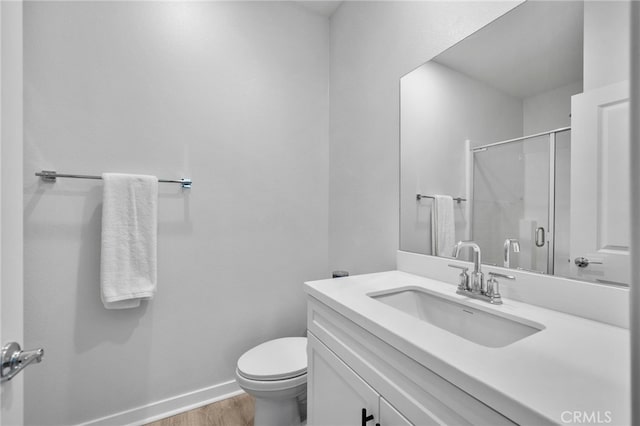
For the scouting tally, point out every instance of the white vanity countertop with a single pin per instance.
(573, 365)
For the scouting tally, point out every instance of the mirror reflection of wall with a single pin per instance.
(514, 78)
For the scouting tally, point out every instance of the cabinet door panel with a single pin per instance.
(335, 394)
(389, 416)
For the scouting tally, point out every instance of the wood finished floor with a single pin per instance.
(236, 411)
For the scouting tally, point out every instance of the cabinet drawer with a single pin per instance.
(414, 390)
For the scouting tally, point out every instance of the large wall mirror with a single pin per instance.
(518, 137)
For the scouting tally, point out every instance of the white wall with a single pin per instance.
(549, 110)
(372, 45)
(441, 110)
(606, 42)
(635, 212)
(231, 94)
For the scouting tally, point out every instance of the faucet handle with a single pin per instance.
(464, 276)
(493, 287)
(497, 274)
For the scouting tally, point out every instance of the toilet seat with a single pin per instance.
(272, 386)
(276, 360)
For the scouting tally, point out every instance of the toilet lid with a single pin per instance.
(275, 360)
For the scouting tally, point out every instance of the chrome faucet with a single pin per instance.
(510, 243)
(477, 284)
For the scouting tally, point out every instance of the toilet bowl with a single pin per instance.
(275, 374)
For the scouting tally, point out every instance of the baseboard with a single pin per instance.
(170, 406)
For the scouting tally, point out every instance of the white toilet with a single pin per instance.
(275, 374)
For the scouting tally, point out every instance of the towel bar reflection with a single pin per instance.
(456, 199)
(51, 175)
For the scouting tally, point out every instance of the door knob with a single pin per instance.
(583, 262)
(13, 360)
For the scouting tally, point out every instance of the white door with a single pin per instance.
(336, 395)
(11, 306)
(600, 195)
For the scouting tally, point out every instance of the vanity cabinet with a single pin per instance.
(351, 369)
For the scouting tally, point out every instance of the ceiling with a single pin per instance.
(532, 49)
(324, 8)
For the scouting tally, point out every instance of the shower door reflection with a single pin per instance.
(511, 201)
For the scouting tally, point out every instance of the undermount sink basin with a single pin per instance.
(473, 324)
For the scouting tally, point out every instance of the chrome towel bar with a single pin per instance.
(456, 199)
(51, 175)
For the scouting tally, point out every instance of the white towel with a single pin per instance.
(443, 231)
(129, 237)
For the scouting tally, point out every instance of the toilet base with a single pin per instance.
(282, 403)
(281, 412)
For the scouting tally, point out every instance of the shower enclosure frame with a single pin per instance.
(551, 208)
